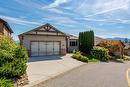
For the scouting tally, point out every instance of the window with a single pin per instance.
(73, 43)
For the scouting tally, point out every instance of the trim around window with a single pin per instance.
(74, 43)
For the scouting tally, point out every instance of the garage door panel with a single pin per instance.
(50, 48)
(34, 49)
(42, 48)
(56, 47)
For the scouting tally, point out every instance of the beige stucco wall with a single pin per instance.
(28, 38)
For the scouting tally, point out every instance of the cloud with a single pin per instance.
(98, 7)
(56, 11)
(18, 20)
(56, 3)
(31, 3)
(106, 11)
(62, 20)
(105, 20)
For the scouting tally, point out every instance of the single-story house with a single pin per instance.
(115, 47)
(5, 28)
(48, 40)
(127, 49)
(98, 40)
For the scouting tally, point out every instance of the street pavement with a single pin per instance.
(112, 74)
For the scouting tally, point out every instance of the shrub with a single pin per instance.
(100, 53)
(13, 59)
(6, 83)
(78, 56)
(83, 59)
(86, 41)
(124, 58)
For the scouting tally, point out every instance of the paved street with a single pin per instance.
(111, 74)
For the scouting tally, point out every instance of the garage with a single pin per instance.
(44, 40)
(41, 48)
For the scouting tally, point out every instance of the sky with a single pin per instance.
(107, 18)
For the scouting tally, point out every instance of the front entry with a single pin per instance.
(45, 48)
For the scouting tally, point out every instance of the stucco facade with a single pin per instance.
(27, 39)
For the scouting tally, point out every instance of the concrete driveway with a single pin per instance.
(43, 68)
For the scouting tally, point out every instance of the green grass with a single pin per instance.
(93, 60)
(84, 58)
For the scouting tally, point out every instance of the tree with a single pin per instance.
(112, 45)
(86, 41)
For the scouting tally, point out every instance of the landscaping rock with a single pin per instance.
(22, 80)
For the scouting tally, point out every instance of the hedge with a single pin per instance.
(78, 56)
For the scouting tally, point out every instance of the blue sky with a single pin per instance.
(108, 18)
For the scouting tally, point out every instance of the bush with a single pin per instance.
(78, 56)
(13, 59)
(100, 53)
(124, 58)
(6, 83)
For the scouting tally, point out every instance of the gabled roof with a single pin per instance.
(45, 25)
(72, 36)
(6, 24)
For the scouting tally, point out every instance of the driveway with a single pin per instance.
(110, 74)
(43, 68)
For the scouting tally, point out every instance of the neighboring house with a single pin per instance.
(98, 40)
(5, 28)
(47, 40)
(72, 43)
(127, 49)
(115, 47)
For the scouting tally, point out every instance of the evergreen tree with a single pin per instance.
(86, 41)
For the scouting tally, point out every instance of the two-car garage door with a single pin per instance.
(45, 48)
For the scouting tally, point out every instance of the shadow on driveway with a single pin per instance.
(44, 58)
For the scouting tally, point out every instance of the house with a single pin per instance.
(115, 47)
(127, 49)
(48, 40)
(98, 40)
(5, 28)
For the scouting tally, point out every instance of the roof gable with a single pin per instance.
(46, 29)
(6, 24)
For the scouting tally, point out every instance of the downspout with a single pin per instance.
(67, 44)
